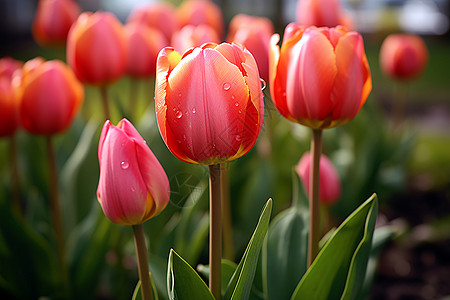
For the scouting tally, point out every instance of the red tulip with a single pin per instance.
(9, 120)
(53, 20)
(133, 186)
(193, 36)
(158, 15)
(403, 56)
(8, 66)
(144, 44)
(330, 182)
(320, 13)
(254, 34)
(50, 96)
(196, 12)
(97, 48)
(320, 78)
(209, 103)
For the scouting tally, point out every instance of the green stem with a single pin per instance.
(141, 252)
(314, 194)
(55, 204)
(105, 102)
(399, 105)
(215, 230)
(228, 245)
(134, 88)
(15, 176)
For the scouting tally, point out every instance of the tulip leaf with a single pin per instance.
(227, 269)
(286, 247)
(183, 282)
(339, 268)
(137, 290)
(241, 282)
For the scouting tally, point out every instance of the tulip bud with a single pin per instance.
(50, 96)
(209, 103)
(196, 12)
(53, 20)
(133, 186)
(403, 56)
(193, 36)
(144, 44)
(97, 48)
(320, 78)
(320, 13)
(330, 182)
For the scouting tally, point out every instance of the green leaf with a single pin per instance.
(241, 282)
(183, 282)
(137, 290)
(227, 269)
(338, 270)
(286, 247)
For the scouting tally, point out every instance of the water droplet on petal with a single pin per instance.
(178, 114)
(226, 86)
(236, 104)
(263, 83)
(179, 95)
(133, 189)
(193, 110)
(232, 97)
(124, 165)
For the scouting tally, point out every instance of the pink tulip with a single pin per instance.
(193, 36)
(133, 186)
(196, 12)
(330, 182)
(8, 66)
(320, 13)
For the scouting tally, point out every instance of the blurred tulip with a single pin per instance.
(97, 48)
(133, 186)
(196, 12)
(158, 15)
(330, 182)
(9, 120)
(209, 103)
(320, 78)
(193, 36)
(144, 44)
(320, 13)
(53, 20)
(403, 56)
(50, 96)
(8, 66)
(254, 34)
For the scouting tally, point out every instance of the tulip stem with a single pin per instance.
(17, 206)
(314, 194)
(399, 105)
(134, 92)
(228, 247)
(141, 252)
(215, 230)
(55, 208)
(104, 94)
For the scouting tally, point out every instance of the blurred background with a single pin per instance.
(409, 171)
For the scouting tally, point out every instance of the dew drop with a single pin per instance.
(133, 189)
(232, 97)
(236, 104)
(179, 95)
(226, 86)
(193, 110)
(178, 114)
(263, 83)
(124, 165)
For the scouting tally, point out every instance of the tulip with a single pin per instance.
(193, 36)
(403, 56)
(158, 15)
(53, 20)
(50, 96)
(254, 34)
(133, 186)
(8, 66)
(320, 13)
(330, 182)
(9, 120)
(320, 78)
(97, 48)
(209, 103)
(196, 12)
(144, 44)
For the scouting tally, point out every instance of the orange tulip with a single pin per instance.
(158, 15)
(144, 44)
(193, 36)
(254, 34)
(196, 12)
(320, 13)
(330, 182)
(97, 48)
(49, 96)
(320, 78)
(403, 56)
(209, 103)
(9, 119)
(53, 20)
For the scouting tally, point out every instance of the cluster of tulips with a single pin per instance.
(208, 101)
